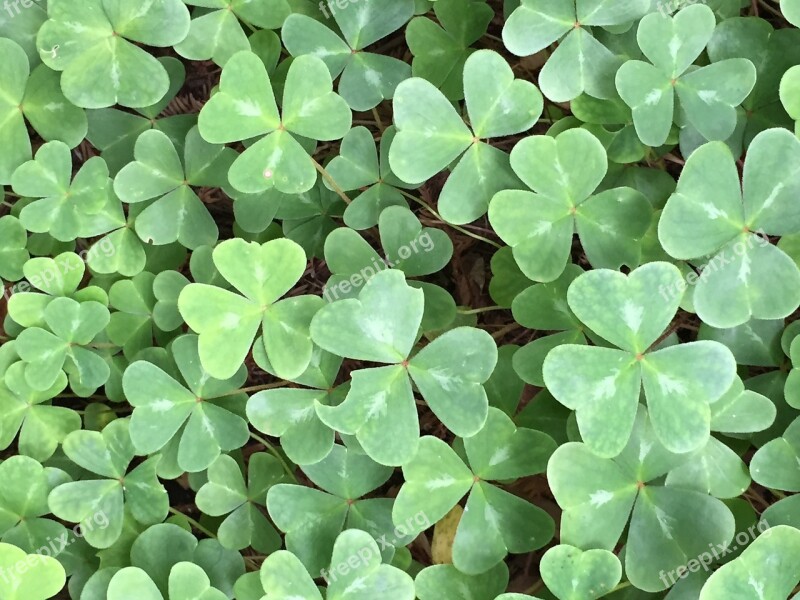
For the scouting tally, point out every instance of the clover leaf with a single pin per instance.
(768, 568)
(165, 410)
(24, 410)
(366, 78)
(358, 166)
(668, 524)
(775, 463)
(108, 455)
(159, 548)
(285, 578)
(13, 252)
(564, 172)
(226, 493)
(407, 246)
(290, 413)
(23, 502)
(445, 582)
(436, 478)
(37, 97)
(114, 132)
(603, 385)
(572, 574)
(708, 95)
(92, 44)
(64, 207)
(56, 277)
(224, 319)
(217, 34)
(312, 519)
(62, 347)
(498, 105)
(158, 174)
(449, 372)
(441, 47)
(544, 306)
(30, 577)
(580, 63)
(245, 107)
(710, 214)
(187, 581)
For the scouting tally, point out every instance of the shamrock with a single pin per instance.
(564, 172)
(23, 502)
(445, 582)
(161, 547)
(60, 276)
(498, 105)
(668, 524)
(187, 581)
(773, 52)
(544, 307)
(92, 45)
(603, 384)
(108, 455)
(775, 464)
(114, 132)
(436, 478)
(572, 574)
(64, 208)
(290, 413)
(790, 92)
(165, 410)
(24, 410)
(176, 214)
(708, 95)
(711, 214)
(441, 47)
(228, 323)
(312, 519)
(31, 577)
(308, 218)
(217, 34)
(580, 63)
(285, 578)
(357, 166)
(226, 493)
(245, 107)
(13, 252)
(131, 326)
(366, 78)
(407, 246)
(48, 353)
(379, 408)
(37, 97)
(768, 568)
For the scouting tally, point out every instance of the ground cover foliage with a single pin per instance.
(397, 299)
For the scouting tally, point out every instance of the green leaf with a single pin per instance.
(572, 574)
(33, 577)
(767, 568)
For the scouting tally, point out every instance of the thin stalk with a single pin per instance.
(327, 177)
(456, 227)
(276, 454)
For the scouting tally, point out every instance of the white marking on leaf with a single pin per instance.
(600, 497)
(247, 108)
(632, 315)
(664, 521)
(670, 385)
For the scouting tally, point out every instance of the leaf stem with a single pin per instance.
(253, 388)
(276, 454)
(327, 177)
(378, 121)
(193, 523)
(456, 227)
(621, 586)
(476, 311)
